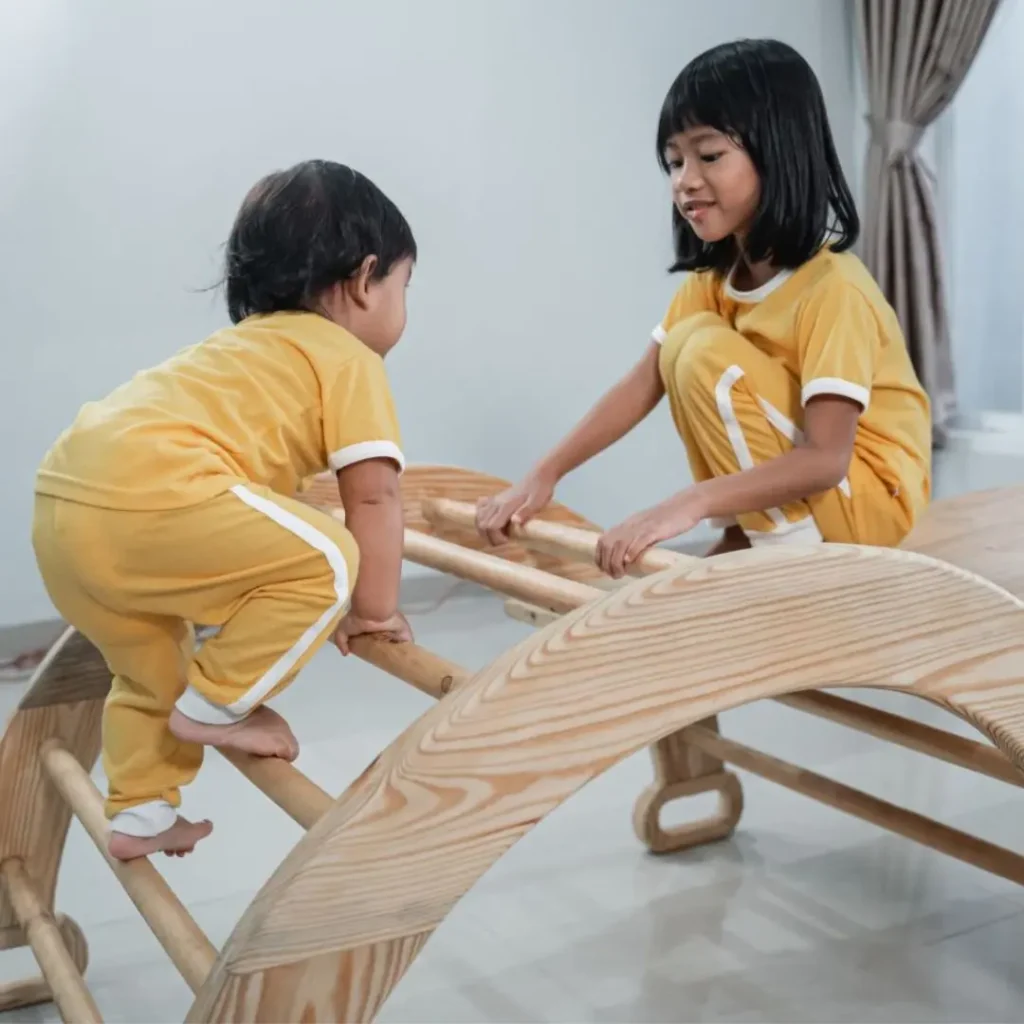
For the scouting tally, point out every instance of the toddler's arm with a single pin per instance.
(631, 400)
(372, 500)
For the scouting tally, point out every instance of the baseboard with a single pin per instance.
(22, 647)
(994, 433)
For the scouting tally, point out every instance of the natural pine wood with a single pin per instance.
(33, 818)
(15, 995)
(568, 541)
(995, 859)
(338, 924)
(296, 794)
(491, 571)
(72, 671)
(505, 748)
(422, 483)
(428, 672)
(980, 533)
(905, 732)
(189, 949)
(63, 701)
(63, 978)
(677, 768)
(680, 770)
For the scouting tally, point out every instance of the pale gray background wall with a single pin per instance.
(517, 135)
(984, 220)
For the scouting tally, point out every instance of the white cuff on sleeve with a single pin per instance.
(366, 450)
(836, 386)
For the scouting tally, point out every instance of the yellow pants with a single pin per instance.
(275, 575)
(735, 407)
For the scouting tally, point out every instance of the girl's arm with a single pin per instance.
(618, 411)
(817, 465)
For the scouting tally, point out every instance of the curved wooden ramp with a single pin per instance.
(654, 662)
(340, 921)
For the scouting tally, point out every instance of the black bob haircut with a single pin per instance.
(301, 230)
(765, 96)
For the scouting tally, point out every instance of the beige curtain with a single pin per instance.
(915, 55)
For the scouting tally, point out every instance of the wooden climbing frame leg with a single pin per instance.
(682, 770)
(186, 945)
(64, 982)
(15, 995)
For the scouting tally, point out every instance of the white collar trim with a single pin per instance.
(757, 294)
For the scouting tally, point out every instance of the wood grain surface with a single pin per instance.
(339, 922)
(381, 870)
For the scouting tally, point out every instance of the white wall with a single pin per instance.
(517, 136)
(984, 218)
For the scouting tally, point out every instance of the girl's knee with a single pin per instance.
(697, 351)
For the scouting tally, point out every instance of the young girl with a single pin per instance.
(787, 374)
(169, 502)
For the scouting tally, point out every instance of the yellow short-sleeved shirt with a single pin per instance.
(272, 400)
(831, 327)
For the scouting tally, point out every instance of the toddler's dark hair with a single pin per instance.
(302, 230)
(763, 94)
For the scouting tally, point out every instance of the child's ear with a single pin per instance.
(358, 285)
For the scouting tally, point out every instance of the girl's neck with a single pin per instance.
(747, 277)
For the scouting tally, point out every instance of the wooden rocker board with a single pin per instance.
(336, 926)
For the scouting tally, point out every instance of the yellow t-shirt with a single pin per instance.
(272, 400)
(830, 326)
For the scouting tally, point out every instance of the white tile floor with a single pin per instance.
(804, 915)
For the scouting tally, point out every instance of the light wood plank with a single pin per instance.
(475, 773)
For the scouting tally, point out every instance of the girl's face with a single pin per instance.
(715, 185)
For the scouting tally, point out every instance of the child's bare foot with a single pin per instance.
(263, 733)
(175, 841)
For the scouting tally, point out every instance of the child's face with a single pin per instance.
(385, 313)
(373, 309)
(715, 185)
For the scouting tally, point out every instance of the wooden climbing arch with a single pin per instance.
(610, 670)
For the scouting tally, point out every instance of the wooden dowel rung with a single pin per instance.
(509, 578)
(951, 841)
(556, 538)
(428, 672)
(189, 949)
(925, 739)
(295, 793)
(531, 614)
(67, 987)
